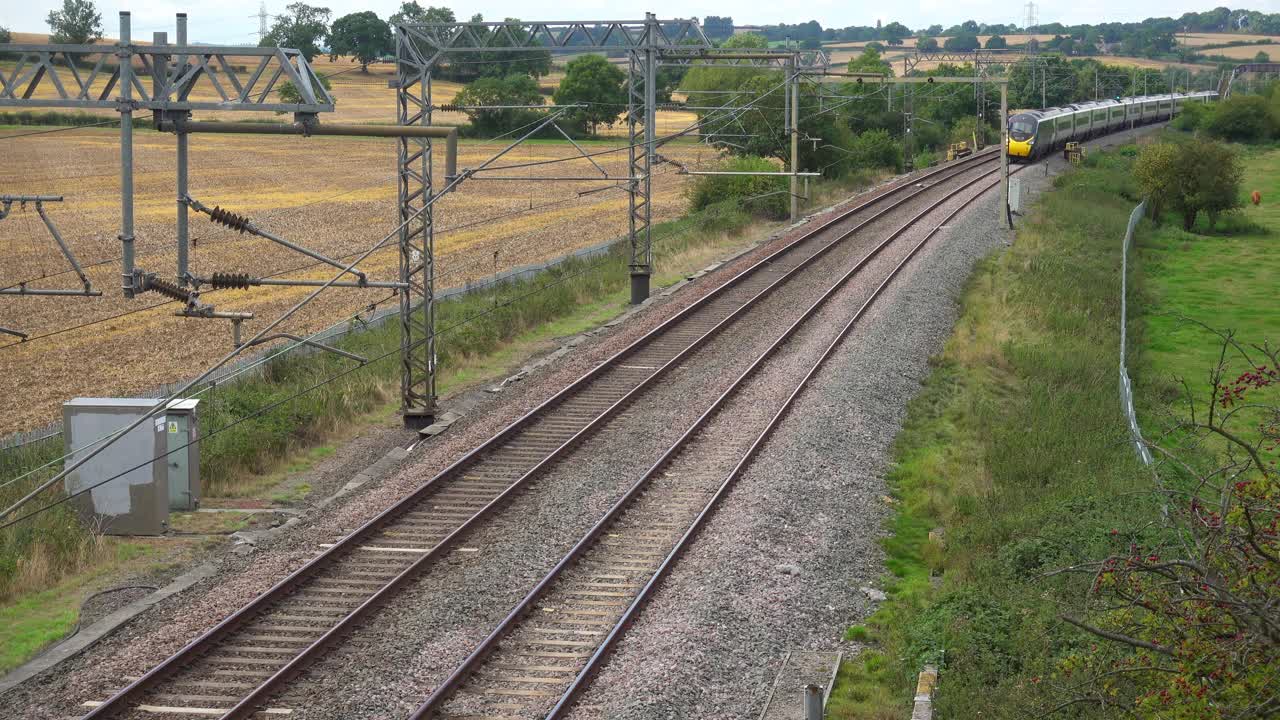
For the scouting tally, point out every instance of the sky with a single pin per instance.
(235, 21)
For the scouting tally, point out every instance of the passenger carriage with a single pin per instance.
(1036, 133)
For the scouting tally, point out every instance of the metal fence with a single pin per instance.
(1126, 384)
(250, 365)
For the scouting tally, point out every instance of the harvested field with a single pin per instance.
(1199, 39)
(1146, 63)
(335, 195)
(1245, 52)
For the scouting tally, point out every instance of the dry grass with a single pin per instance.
(1198, 39)
(1148, 63)
(336, 195)
(1244, 52)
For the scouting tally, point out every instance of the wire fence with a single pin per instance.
(250, 365)
(1126, 384)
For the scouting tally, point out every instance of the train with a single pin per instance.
(1033, 134)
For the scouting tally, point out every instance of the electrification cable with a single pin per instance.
(55, 130)
(271, 406)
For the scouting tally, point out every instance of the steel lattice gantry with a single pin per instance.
(182, 78)
(419, 49)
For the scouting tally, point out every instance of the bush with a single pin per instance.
(762, 195)
(289, 92)
(876, 149)
(514, 89)
(1194, 116)
(1189, 178)
(924, 159)
(965, 129)
(1242, 118)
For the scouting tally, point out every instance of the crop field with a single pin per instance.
(1245, 52)
(335, 195)
(1140, 62)
(1198, 39)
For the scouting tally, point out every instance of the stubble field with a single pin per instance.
(335, 195)
(1245, 52)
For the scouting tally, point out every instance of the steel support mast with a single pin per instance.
(419, 49)
(641, 111)
(417, 241)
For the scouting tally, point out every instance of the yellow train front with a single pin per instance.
(1022, 136)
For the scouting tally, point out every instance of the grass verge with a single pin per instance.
(1016, 450)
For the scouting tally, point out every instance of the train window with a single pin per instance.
(1022, 124)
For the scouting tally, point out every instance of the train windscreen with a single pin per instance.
(1022, 127)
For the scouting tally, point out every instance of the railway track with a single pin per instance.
(232, 669)
(543, 654)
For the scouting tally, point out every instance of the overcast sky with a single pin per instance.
(230, 21)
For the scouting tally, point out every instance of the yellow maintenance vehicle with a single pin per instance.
(1074, 153)
(958, 150)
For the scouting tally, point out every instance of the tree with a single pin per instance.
(1153, 170)
(996, 42)
(77, 23)
(362, 36)
(1242, 118)
(722, 77)
(466, 67)
(5, 37)
(964, 42)
(894, 33)
(752, 40)
(1218, 175)
(303, 29)
(412, 12)
(870, 62)
(927, 45)
(762, 124)
(718, 27)
(764, 195)
(1190, 177)
(593, 80)
(1262, 57)
(514, 89)
(933, 30)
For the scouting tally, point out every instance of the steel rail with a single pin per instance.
(248, 705)
(459, 676)
(317, 564)
(593, 663)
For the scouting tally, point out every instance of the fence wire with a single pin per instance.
(1126, 384)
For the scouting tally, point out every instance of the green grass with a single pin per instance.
(37, 619)
(1015, 447)
(32, 623)
(1225, 281)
